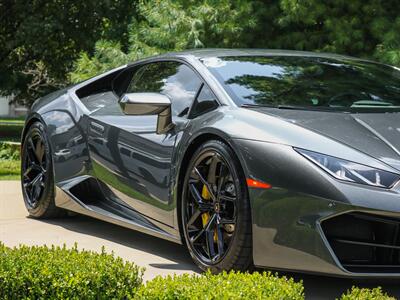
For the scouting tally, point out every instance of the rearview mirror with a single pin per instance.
(141, 104)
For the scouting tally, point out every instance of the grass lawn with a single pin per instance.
(12, 120)
(9, 169)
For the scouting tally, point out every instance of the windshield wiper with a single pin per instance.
(283, 106)
(272, 106)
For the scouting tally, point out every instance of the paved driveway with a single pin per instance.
(159, 257)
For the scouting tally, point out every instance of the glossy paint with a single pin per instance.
(137, 173)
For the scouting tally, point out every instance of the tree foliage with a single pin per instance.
(42, 39)
(167, 25)
(368, 28)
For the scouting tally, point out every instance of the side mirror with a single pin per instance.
(141, 104)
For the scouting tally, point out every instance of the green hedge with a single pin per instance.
(366, 294)
(10, 151)
(8, 130)
(222, 286)
(60, 273)
(9, 161)
(11, 129)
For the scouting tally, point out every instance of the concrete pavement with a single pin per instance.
(159, 257)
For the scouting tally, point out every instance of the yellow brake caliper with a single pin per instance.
(206, 216)
(206, 196)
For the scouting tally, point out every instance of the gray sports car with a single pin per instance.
(279, 159)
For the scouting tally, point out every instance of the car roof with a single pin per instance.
(221, 52)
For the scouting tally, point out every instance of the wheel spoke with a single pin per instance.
(210, 244)
(223, 172)
(30, 143)
(39, 182)
(31, 190)
(194, 217)
(220, 241)
(194, 238)
(26, 173)
(33, 152)
(210, 236)
(204, 182)
(210, 222)
(204, 206)
(204, 229)
(33, 181)
(39, 151)
(37, 188)
(212, 170)
(195, 193)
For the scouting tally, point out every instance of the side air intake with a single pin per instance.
(365, 243)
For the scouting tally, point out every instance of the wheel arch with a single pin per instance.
(194, 144)
(28, 123)
(32, 119)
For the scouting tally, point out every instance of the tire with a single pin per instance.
(37, 178)
(235, 250)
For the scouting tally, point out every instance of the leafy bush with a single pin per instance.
(11, 129)
(223, 286)
(366, 294)
(9, 151)
(61, 273)
(9, 161)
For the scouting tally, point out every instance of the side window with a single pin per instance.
(205, 102)
(173, 79)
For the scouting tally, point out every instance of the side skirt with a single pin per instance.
(112, 212)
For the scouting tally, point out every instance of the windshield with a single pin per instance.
(308, 82)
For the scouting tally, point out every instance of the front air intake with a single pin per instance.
(365, 243)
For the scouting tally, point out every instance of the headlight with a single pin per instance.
(350, 171)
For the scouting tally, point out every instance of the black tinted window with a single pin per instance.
(204, 102)
(173, 79)
(308, 82)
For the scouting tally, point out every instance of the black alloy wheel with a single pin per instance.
(37, 180)
(215, 210)
(34, 168)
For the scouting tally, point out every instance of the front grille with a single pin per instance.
(365, 243)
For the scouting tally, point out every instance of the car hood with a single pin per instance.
(375, 134)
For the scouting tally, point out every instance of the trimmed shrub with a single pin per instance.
(366, 294)
(61, 273)
(9, 161)
(13, 130)
(10, 151)
(222, 286)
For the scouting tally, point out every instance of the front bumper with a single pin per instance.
(311, 222)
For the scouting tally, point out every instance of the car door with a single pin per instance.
(129, 158)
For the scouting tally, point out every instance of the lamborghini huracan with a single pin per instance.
(251, 158)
